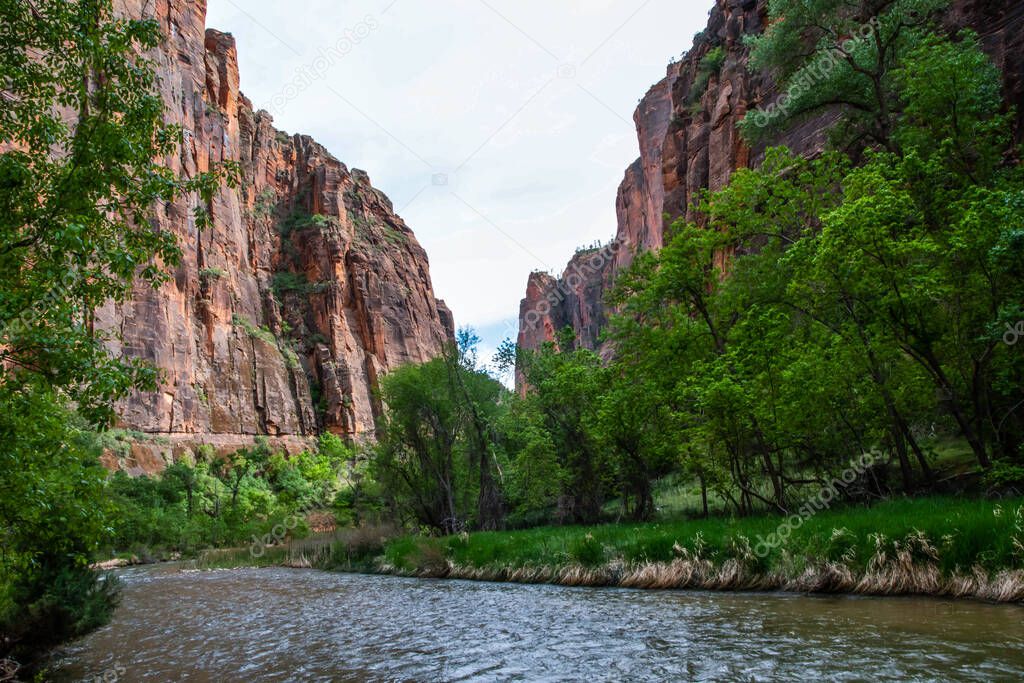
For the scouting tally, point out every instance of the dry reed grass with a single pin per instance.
(908, 567)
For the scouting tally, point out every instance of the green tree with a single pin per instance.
(437, 457)
(565, 384)
(838, 53)
(236, 468)
(53, 517)
(82, 172)
(83, 137)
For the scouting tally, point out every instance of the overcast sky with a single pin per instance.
(500, 129)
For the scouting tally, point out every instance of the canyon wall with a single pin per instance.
(689, 142)
(304, 289)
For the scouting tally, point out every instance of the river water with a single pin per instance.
(301, 625)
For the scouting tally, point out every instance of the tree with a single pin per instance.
(182, 476)
(83, 169)
(633, 424)
(437, 455)
(565, 385)
(233, 469)
(83, 139)
(834, 309)
(53, 517)
(838, 53)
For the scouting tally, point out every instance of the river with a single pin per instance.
(300, 625)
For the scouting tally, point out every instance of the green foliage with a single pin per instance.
(436, 458)
(81, 177)
(962, 534)
(225, 500)
(394, 236)
(861, 305)
(710, 65)
(74, 225)
(253, 330)
(266, 203)
(211, 273)
(587, 551)
(291, 359)
(287, 282)
(300, 220)
(838, 53)
(561, 409)
(53, 517)
(824, 317)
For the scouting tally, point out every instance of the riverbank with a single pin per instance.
(934, 546)
(943, 547)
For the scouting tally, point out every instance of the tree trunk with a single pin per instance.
(704, 494)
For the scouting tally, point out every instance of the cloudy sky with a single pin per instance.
(499, 128)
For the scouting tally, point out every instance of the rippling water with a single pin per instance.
(299, 625)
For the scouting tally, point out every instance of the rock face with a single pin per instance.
(689, 142)
(304, 289)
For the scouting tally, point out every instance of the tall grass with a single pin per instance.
(928, 545)
(937, 546)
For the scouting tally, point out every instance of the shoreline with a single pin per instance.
(940, 547)
(1006, 587)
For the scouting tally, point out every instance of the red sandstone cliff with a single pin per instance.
(240, 356)
(689, 142)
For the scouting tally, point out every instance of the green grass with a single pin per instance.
(964, 534)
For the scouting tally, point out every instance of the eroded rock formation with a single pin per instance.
(689, 142)
(306, 287)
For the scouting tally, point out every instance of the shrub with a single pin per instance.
(57, 606)
(300, 220)
(709, 66)
(265, 203)
(588, 551)
(261, 333)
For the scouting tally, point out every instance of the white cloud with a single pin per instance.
(435, 86)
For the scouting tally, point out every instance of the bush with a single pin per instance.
(588, 551)
(55, 606)
(53, 517)
(709, 66)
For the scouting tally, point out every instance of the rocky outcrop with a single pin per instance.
(689, 143)
(576, 298)
(302, 291)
